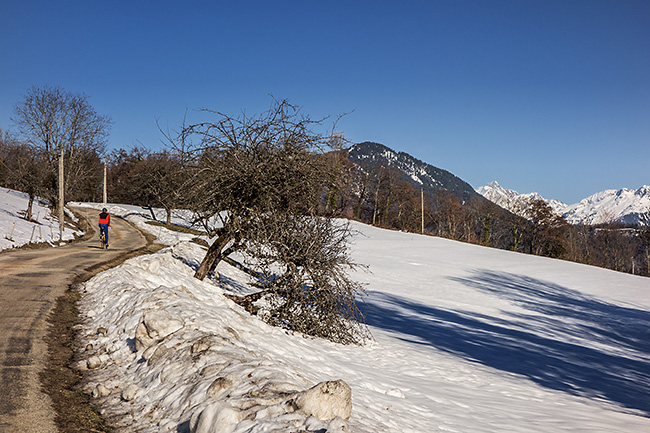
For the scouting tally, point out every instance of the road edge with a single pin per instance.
(74, 411)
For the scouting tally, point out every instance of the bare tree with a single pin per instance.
(126, 178)
(264, 179)
(22, 170)
(479, 221)
(644, 251)
(548, 231)
(340, 174)
(65, 128)
(156, 180)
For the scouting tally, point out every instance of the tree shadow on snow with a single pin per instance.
(559, 338)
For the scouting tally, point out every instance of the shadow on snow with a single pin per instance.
(560, 338)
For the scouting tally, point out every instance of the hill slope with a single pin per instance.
(16, 231)
(467, 339)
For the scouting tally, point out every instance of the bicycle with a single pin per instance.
(102, 239)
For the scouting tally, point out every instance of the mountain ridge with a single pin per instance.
(416, 172)
(626, 206)
(513, 201)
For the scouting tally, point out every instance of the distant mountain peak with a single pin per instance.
(513, 201)
(624, 205)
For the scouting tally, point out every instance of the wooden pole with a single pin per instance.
(105, 169)
(61, 195)
(422, 207)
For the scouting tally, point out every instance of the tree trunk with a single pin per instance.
(169, 216)
(213, 256)
(153, 215)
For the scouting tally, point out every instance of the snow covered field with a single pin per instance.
(17, 231)
(467, 339)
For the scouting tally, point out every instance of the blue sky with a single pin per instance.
(550, 96)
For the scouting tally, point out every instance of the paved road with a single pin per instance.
(30, 283)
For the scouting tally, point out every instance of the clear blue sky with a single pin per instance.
(550, 96)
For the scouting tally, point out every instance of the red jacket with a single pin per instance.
(104, 218)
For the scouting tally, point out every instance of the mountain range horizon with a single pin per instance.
(625, 205)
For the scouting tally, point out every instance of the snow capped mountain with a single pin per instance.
(513, 201)
(627, 206)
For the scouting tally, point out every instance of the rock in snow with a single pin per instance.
(130, 392)
(219, 417)
(101, 391)
(93, 362)
(97, 361)
(327, 400)
(154, 326)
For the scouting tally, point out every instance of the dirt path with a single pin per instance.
(31, 281)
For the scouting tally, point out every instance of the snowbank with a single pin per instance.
(16, 231)
(175, 351)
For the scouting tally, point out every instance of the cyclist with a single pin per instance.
(104, 222)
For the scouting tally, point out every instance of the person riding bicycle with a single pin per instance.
(104, 222)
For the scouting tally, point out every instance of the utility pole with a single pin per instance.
(374, 212)
(61, 195)
(422, 207)
(105, 181)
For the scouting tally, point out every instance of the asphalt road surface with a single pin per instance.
(30, 283)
